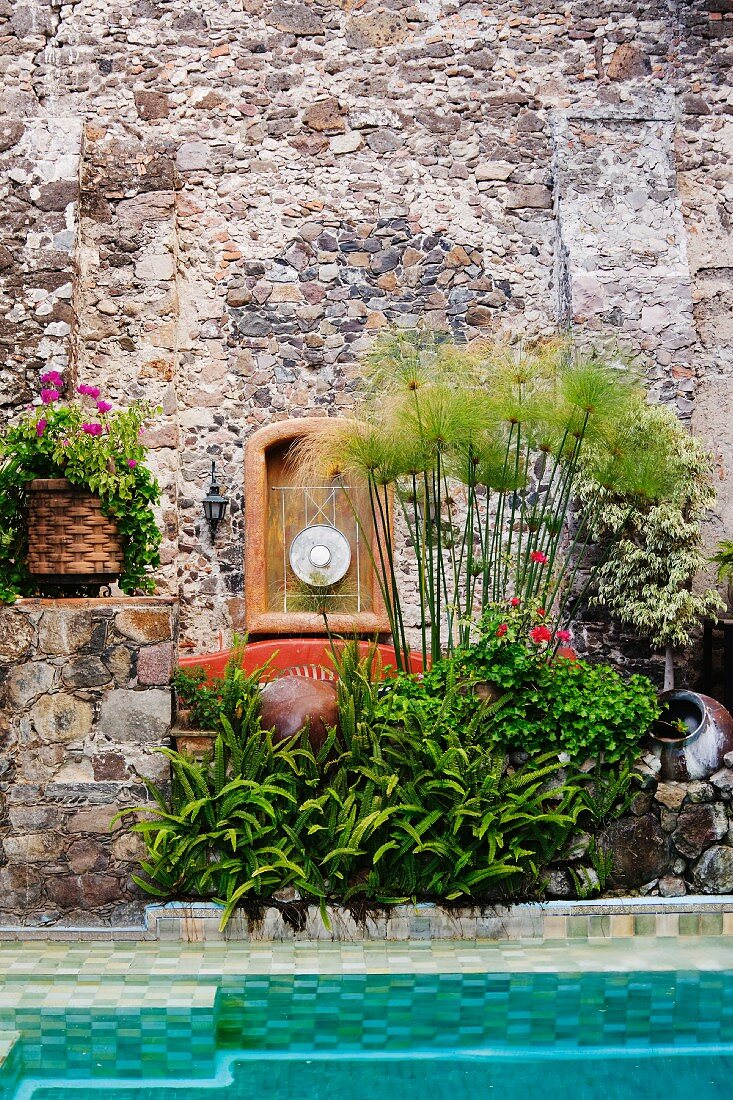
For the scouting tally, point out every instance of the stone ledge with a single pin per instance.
(83, 603)
(606, 919)
(602, 920)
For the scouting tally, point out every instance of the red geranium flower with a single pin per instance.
(540, 634)
(539, 557)
(515, 601)
(563, 635)
(501, 630)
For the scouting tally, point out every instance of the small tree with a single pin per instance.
(656, 553)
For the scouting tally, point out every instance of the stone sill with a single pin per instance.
(86, 603)
(599, 920)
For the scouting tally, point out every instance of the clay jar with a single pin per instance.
(696, 749)
(289, 703)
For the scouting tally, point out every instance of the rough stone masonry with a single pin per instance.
(217, 205)
(85, 701)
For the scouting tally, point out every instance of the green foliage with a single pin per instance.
(234, 698)
(50, 441)
(654, 546)
(723, 558)
(481, 449)
(548, 701)
(610, 792)
(388, 810)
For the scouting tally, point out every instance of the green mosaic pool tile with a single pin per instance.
(711, 924)
(689, 924)
(599, 927)
(577, 928)
(645, 925)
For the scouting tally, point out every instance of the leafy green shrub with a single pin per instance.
(235, 697)
(388, 810)
(551, 701)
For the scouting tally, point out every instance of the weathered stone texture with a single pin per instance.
(78, 730)
(264, 186)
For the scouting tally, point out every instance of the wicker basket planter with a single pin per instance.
(70, 541)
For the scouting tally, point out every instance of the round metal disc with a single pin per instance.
(320, 555)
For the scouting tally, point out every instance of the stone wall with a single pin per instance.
(677, 839)
(264, 184)
(85, 699)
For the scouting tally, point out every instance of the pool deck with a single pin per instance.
(68, 967)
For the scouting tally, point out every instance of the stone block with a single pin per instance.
(152, 105)
(533, 196)
(64, 632)
(155, 664)
(494, 170)
(86, 672)
(698, 827)
(325, 115)
(145, 624)
(27, 681)
(143, 717)
(377, 29)
(61, 718)
(671, 795)
(639, 848)
(193, 156)
(99, 890)
(87, 855)
(94, 820)
(118, 659)
(714, 871)
(33, 847)
(16, 635)
(628, 61)
(298, 19)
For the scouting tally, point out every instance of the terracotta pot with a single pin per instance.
(291, 703)
(196, 743)
(696, 750)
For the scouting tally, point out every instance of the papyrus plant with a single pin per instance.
(479, 448)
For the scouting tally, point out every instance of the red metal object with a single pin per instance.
(291, 655)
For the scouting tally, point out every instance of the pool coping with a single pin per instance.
(601, 918)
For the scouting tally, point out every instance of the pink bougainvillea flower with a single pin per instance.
(515, 601)
(132, 463)
(88, 391)
(65, 442)
(540, 634)
(539, 557)
(49, 396)
(92, 429)
(41, 427)
(103, 406)
(501, 630)
(52, 378)
(563, 635)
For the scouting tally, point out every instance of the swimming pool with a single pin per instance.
(485, 1024)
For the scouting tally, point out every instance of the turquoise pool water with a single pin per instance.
(377, 1036)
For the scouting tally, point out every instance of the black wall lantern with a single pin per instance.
(215, 505)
